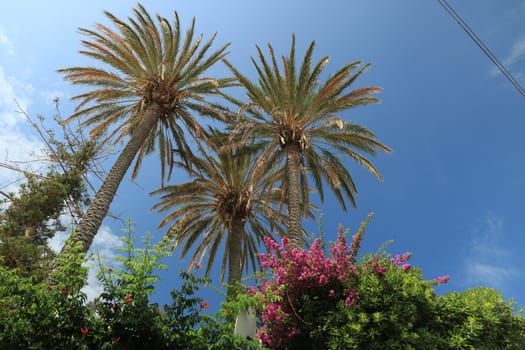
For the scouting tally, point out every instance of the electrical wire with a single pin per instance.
(482, 46)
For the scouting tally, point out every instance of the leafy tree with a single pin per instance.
(229, 200)
(32, 215)
(295, 120)
(27, 222)
(37, 315)
(479, 318)
(150, 92)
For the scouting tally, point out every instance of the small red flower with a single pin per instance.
(63, 291)
(84, 330)
(116, 340)
(129, 298)
(204, 304)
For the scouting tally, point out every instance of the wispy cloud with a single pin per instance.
(6, 44)
(487, 262)
(15, 142)
(104, 246)
(517, 52)
(515, 57)
(12, 92)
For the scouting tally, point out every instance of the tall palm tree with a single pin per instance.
(228, 201)
(150, 91)
(296, 119)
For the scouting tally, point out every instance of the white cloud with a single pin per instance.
(57, 242)
(517, 52)
(12, 92)
(15, 143)
(513, 58)
(488, 261)
(487, 274)
(6, 43)
(104, 246)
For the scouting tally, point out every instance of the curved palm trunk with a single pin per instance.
(294, 206)
(234, 256)
(92, 220)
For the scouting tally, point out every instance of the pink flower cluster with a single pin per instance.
(440, 280)
(299, 272)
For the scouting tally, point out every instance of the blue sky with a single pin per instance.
(454, 185)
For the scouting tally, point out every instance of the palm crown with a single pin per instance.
(228, 201)
(149, 65)
(294, 118)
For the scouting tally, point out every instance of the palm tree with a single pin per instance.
(295, 119)
(228, 201)
(150, 92)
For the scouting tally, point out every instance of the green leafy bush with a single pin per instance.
(313, 300)
(308, 300)
(46, 315)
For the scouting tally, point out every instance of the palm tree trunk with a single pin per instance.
(294, 206)
(92, 220)
(234, 256)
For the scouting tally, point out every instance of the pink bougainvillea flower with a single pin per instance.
(380, 270)
(406, 267)
(441, 280)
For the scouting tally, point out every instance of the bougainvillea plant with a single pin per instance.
(310, 284)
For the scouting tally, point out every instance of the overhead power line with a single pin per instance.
(482, 46)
